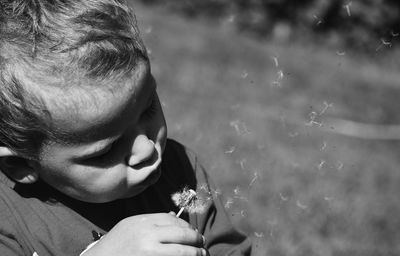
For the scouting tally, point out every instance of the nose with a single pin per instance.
(143, 149)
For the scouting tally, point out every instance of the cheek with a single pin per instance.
(83, 182)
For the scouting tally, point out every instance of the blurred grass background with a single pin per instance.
(263, 115)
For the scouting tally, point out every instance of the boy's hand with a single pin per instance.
(160, 234)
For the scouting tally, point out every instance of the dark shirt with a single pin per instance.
(38, 218)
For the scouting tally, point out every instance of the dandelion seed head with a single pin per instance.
(189, 200)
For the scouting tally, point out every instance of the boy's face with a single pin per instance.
(125, 135)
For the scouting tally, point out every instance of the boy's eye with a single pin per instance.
(150, 111)
(104, 152)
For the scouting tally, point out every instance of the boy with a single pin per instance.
(82, 135)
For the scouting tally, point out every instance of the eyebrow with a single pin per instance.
(101, 146)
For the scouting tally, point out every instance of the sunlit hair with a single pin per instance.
(47, 44)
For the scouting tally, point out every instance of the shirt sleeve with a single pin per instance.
(8, 232)
(9, 246)
(221, 236)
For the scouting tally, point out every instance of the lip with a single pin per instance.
(150, 169)
(154, 176)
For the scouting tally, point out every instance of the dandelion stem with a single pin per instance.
(180, 212)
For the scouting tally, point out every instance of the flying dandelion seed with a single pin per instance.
(235, 124)
(293, 134)
(230, 150)
(300, 205)
(326, 107)
(228, 203)
(314, 123)
(275, 84)
(319, 21)
(255, 177)
(240, 127)
(312, 116)
(204, 187)
(217, 192)
(340, 166)
(236, 191)
(272, 224)
(279, 75)
(238, 194)
(321, 164)
(259, 234)
(242, 163)
(164, 105)
(275, 61)
(244, 74)
(394, 34)
(245, 129)
(327, 198)
(340, 53)
(384, 43)
(323, 146)
(347, 7)
(387, 43)
(283, 198)
(35, 254)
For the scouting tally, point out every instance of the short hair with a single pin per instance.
(48, 42)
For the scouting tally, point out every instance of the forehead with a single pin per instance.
(88, 113)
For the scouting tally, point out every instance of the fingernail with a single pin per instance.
(203, 252)
(172, 213)
(204, 240)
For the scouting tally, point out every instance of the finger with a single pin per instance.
(165, 219)
(183, 250)
(179, 235)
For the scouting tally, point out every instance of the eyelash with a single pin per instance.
(110, 149)
(150, 111)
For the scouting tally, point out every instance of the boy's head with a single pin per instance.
(78, 106)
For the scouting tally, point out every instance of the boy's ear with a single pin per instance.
(16, 167)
